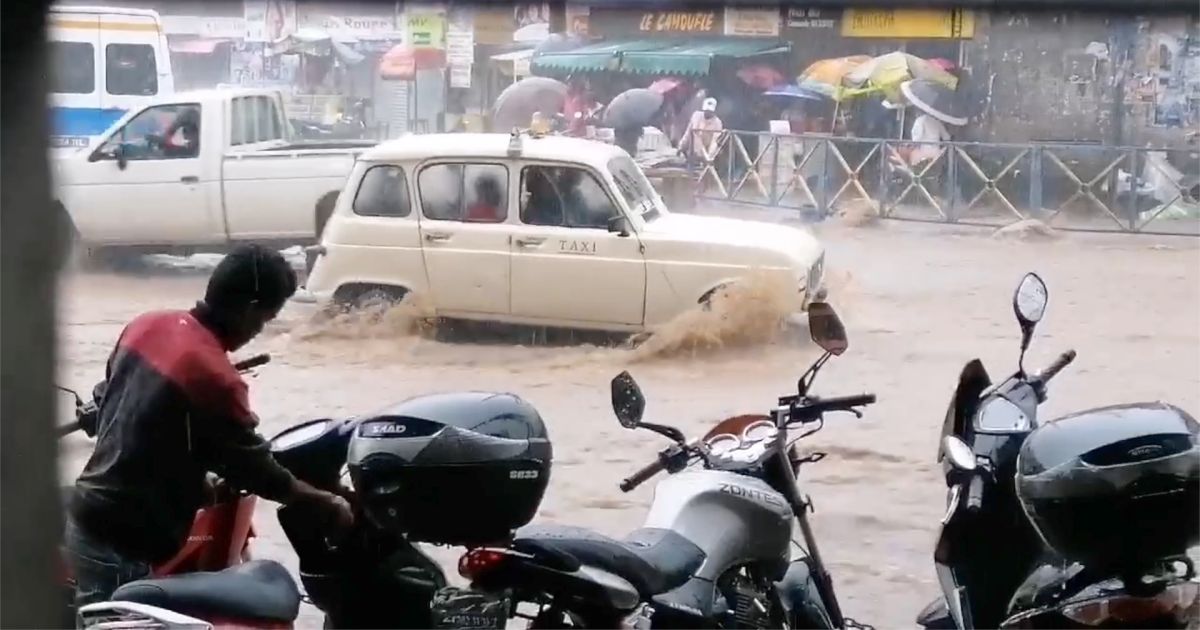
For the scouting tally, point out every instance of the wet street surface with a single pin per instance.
(918, 302)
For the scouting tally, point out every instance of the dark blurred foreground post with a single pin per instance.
(30, 521)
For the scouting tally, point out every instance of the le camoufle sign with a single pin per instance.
(626, 22)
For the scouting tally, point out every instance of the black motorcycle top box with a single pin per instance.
(460, 468)
(1114, 487)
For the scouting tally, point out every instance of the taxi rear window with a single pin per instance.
(383, 193)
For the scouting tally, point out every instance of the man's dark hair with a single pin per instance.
(251, 273)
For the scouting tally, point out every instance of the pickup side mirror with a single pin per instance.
(119, 153)
(619, 224)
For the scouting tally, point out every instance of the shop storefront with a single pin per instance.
(201, 48)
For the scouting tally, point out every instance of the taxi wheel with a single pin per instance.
(379, 297)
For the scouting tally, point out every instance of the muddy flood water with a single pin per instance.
(918, 302)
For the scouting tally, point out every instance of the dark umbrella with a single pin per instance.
(517, 103)
(633, 108)
(796, 92)
(934, 99)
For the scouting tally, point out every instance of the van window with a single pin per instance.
(382, 193)
(74, 68)
(474, 193)
(130, 70)
(255, 119)
(163, 132)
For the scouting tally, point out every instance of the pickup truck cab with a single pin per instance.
(201, 170)
(544, 231)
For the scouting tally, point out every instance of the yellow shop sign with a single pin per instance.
(909, 23)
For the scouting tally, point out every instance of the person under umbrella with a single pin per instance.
(629, 113)
(938, 107)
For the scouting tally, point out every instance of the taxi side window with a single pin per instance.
(472, 193)
(564, 197)
(382, 193)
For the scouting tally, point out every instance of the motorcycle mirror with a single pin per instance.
(1029, 305)
(826, 328)
(627, 400)
(960, 455)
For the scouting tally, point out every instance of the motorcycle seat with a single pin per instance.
(652, 560)
(259, 589)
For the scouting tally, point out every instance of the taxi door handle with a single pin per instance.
(437, 236)
(530, 242)
(189, 179)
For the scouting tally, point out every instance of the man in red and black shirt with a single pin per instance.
(174, 408)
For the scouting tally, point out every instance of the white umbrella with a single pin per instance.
(532, 33)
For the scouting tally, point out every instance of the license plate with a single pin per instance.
(463, 608)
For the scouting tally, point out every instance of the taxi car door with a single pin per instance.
(567, 266)
(464, 237)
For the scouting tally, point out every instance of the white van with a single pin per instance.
(103, 62)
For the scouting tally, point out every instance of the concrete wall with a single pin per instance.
(1115, 80)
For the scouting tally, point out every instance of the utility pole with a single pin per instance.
(30, 253)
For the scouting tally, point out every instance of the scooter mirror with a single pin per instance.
(627, 400)
(1029, 301)
(826, 328)
(960, 455)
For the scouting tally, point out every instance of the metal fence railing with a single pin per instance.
(1067, 186)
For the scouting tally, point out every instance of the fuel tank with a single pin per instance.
(733, 518)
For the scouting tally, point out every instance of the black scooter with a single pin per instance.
(994, 568)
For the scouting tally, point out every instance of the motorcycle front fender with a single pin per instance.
(800, 598)
(935, 616)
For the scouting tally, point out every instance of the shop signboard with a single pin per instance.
(205, 27)
(426, 30)
(909, 23)
(626, 22)
(494, 24)
(752, 22)
(813, 18)
(364, 27)
(460, 39)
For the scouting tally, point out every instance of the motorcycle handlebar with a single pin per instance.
(1053, 369)
(252, 362)
(67, 429)
(975, 493)
(641, 476)
(813, 408)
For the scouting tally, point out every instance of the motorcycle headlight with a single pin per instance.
(1000, 415)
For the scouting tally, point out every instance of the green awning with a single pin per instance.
(694, 57)
(592, 57)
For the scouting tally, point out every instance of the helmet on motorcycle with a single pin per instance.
(1114, 487)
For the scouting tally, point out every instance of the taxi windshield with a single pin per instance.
(635, 188)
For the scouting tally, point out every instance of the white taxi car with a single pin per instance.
(544, 231)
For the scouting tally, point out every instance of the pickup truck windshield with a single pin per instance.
(635, 188)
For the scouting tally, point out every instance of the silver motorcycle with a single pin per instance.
(716, 547)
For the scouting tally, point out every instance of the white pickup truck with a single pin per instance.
(199, 171)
